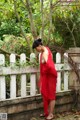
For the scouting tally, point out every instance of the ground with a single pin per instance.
(63, 116)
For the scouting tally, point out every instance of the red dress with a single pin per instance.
(48, 77)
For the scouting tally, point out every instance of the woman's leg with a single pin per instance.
(51, 109)
(51, 106)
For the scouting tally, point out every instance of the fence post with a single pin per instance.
(13, 77)
(66, 72)
(58, 61)
(23, 76)
(32, 78)
(74, 79)
(2, 79)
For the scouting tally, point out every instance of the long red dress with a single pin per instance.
(48, 77)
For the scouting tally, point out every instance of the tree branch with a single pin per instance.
(71, 31)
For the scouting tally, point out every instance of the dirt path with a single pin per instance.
(66, 116)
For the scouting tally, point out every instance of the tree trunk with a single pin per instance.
(42, 20)
(51, 28)
(33, 29)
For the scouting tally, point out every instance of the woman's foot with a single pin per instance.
(49, 117)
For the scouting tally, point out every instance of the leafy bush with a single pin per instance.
(14, 44)
(9, 27)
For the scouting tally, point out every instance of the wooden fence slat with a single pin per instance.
(23, 76)
(32, 77)
(2, 79)
(32, 57)
(32, 84)
(13, 78)
(2, 88)
(66, 74)
(58, 61)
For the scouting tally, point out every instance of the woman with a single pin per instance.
(48, 78)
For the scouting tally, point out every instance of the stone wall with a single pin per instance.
(28, 107)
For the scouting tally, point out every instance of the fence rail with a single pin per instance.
(13, 71)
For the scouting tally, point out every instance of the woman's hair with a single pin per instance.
(37, 42)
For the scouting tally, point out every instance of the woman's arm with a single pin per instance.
(45, 57)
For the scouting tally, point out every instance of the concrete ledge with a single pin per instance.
(25, 108)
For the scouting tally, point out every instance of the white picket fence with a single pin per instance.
(13, 71)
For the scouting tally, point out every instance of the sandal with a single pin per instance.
(50, 118)
(42, 115)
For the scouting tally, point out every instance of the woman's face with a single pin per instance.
(38, 49)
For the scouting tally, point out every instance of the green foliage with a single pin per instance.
(73, 22)
(14, 44)
(18, 45)
(61, 15)
(9, 27)
(6, 10)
